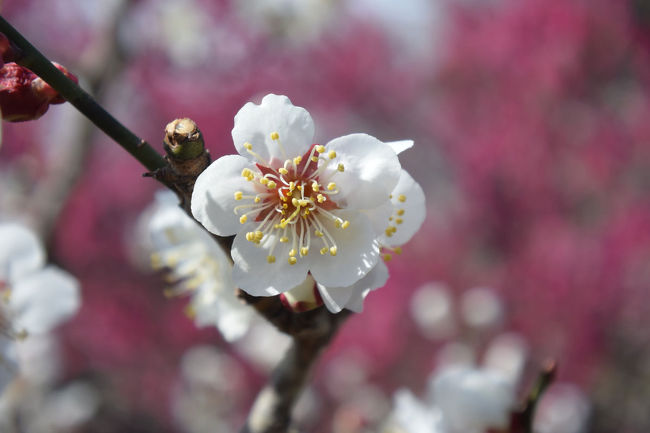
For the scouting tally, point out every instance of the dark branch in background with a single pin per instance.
(31, 58)
(186, 158)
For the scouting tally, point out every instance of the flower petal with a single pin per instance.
(337, 298)
(21, 252)
(400, 146)
(407, 199)
(213, 198)
(357, 252)
(255, 123)
(42, 300)
(371, 171)
(255, 275)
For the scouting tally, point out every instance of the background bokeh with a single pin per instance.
(531, 120)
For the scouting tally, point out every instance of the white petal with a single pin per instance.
(400, 146)
(337, 298)
(473, 399)
(357, 252)
(255, 275)
(371, 171)
(42, 300)
(255, 124)
(213, 199)
(21, 252)
(414, 210)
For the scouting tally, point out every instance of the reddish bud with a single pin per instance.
(24, 95)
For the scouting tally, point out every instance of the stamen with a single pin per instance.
(340, 168)
(401, 198)
(239, 195)
(331, 155)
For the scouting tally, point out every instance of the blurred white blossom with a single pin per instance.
(196, 265)
(34, 298)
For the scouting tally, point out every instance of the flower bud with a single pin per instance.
(304, 297)
(24, 95)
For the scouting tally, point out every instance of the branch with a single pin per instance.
(311, 332)
(32, 59)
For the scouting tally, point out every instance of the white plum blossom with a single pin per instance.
(34, 298)
(197, 265)
(301, 210)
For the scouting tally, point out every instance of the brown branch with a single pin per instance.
(311, 331)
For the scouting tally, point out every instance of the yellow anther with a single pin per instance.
(271, 184)
(270, 259)
(293, 252)
(297, 160)
(390, 196)
(250, 236)
(248, 146)
(243, 219)
(320, 198)
(332, 154)
(333, 250)
(292, 186)
(283, 224)
(299, 187)
(399, 221)
(304, 251)
(239, 195)
(275, 136)
(318, 233)
(306, 213)
(264, 181)
(303, 202)
(284, 239)
(390, 218)
(293, 260)
(314, 159)
(315, 186)
(337, 223)
(284, 205)
(331, 186)
(398, 250)
(257, 199)
(259, 235)
(388, 232)
(401, 198)
(400, 212)
(323, 251)
(295, 202)
(283, 170)
(345, 224)
(387, 257)
(320, 148)
(340, 168)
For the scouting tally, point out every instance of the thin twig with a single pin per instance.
(32, 59)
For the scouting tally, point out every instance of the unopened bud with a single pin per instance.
(183, 139)
(304, 297)
(24, 95)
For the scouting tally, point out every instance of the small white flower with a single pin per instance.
(473, 400)
(34, 298)
(198, 266)
(300, 209)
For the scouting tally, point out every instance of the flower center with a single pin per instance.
(292, 202)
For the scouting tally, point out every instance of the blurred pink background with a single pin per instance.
(531, 120)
